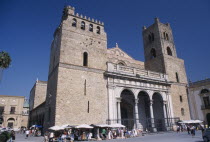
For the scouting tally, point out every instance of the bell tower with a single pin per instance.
(160, 56)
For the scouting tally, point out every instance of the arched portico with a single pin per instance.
(144, 109)
(159, 111)
(127, 108)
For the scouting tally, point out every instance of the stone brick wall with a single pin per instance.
(37, 94)
(73, 97)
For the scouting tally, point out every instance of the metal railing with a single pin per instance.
(148, 124)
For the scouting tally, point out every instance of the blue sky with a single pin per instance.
(27, 28)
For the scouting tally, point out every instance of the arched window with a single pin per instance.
(177, 77)
(85, 59)
(182, 111)
(153, 53)
(83, 25)
(167, 38)
(180, 98)
(149, 38)
(169, 52)
(121, 63)
(91, 27)
(98, 30)
(74, 23)
(204, 91)
(153, 37)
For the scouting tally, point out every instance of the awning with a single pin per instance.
(85, 126)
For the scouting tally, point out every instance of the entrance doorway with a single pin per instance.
(158, 112)
(127, 108)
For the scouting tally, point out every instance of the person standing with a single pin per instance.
(104, 133)
(13, 135)
(27, 133)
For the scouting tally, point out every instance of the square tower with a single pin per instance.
(160, 56)
(76, 92)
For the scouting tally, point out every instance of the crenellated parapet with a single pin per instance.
(79, 23)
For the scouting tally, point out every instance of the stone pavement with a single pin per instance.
(22, 138)
(160, 137)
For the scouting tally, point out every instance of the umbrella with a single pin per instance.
(117, 125)
(66, 126)
(56, 128)
(191, 121)
(84, 126)
(102, 125)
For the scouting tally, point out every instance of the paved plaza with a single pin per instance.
(160, 137)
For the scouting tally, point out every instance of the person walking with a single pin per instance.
(188, 130)
(193, 131)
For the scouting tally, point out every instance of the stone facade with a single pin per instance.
(88, 83)
(199, 95)
(161, 56)
(14, 111)
(37, 94)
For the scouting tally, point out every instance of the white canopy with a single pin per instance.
(102, 125)
(191, 121)
(56, 128)
(66, 126)
(117, 125)
(85, 126)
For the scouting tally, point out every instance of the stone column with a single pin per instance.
(136, 115)
(165, 115)
(118, 110)
(152, 117)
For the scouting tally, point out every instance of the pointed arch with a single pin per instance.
(74, 23)
(91, 27)
(85, 59)
(169, 52)
(83, 25)
(153, 53)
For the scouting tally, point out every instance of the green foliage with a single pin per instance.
(5, 60)
(4, 136)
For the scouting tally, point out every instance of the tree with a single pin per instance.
(5, 60)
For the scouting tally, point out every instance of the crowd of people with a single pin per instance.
(90, 134)
(191, 129)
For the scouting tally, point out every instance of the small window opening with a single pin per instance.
(85, 59)
(177, 77)
(169, 52)
(49, 114)
(182, 111)
(12, 110)
(153, 53)
(74, 23)
(206, 101)
(98, 30)
(180, 98)
(88, 110)
(91, 27)
(85, 87)
(83, 25)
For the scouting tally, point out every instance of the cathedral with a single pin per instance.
(89, 83)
